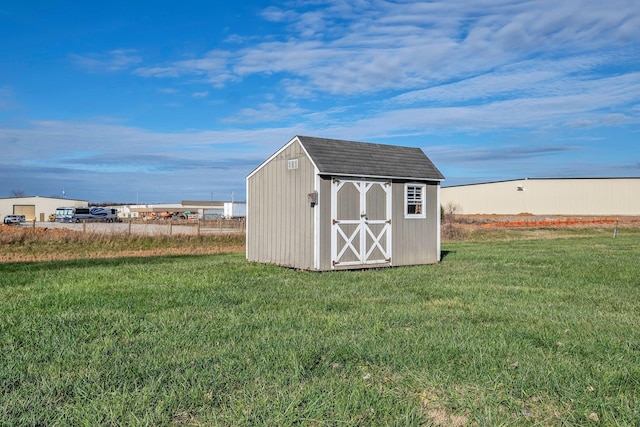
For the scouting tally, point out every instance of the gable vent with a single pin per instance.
(292, 164)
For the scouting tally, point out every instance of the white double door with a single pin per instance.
(360, 222)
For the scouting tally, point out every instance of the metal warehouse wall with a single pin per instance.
(587, 196)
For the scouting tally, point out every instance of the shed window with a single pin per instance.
(292, 164)
(414, 201)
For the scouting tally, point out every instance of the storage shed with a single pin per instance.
(327, 204)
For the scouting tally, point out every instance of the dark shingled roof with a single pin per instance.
(338, 157)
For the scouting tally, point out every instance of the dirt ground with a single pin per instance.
(542, 221)
(527, 226)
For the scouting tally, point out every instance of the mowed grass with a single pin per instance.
(503, 332)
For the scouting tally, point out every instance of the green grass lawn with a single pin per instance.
(504, 332)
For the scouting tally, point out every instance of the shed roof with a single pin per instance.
(352, 158)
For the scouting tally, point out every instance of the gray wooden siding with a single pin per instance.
(414, 240)
(279, 217)
(349, 209)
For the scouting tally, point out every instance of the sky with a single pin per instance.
(163, 101)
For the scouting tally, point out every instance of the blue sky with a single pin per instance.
(163, 101)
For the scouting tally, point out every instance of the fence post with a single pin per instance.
(198, 225)
(84, 225)
(129, 226)
(170, 227)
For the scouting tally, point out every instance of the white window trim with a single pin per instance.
(292, 164)
(423, 190)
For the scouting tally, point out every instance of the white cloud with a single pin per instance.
(516, 113)
(170, 71)
(265, 113)
(355, 48)
(532, 79)
(131, 158)
(46, 138)
(276, 14)
(111, 61)
(211, 68)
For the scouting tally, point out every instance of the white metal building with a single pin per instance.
(36, 207)
(547, 196)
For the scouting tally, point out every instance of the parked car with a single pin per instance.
(14, 219)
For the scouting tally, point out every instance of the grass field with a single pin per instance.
(505, 331)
